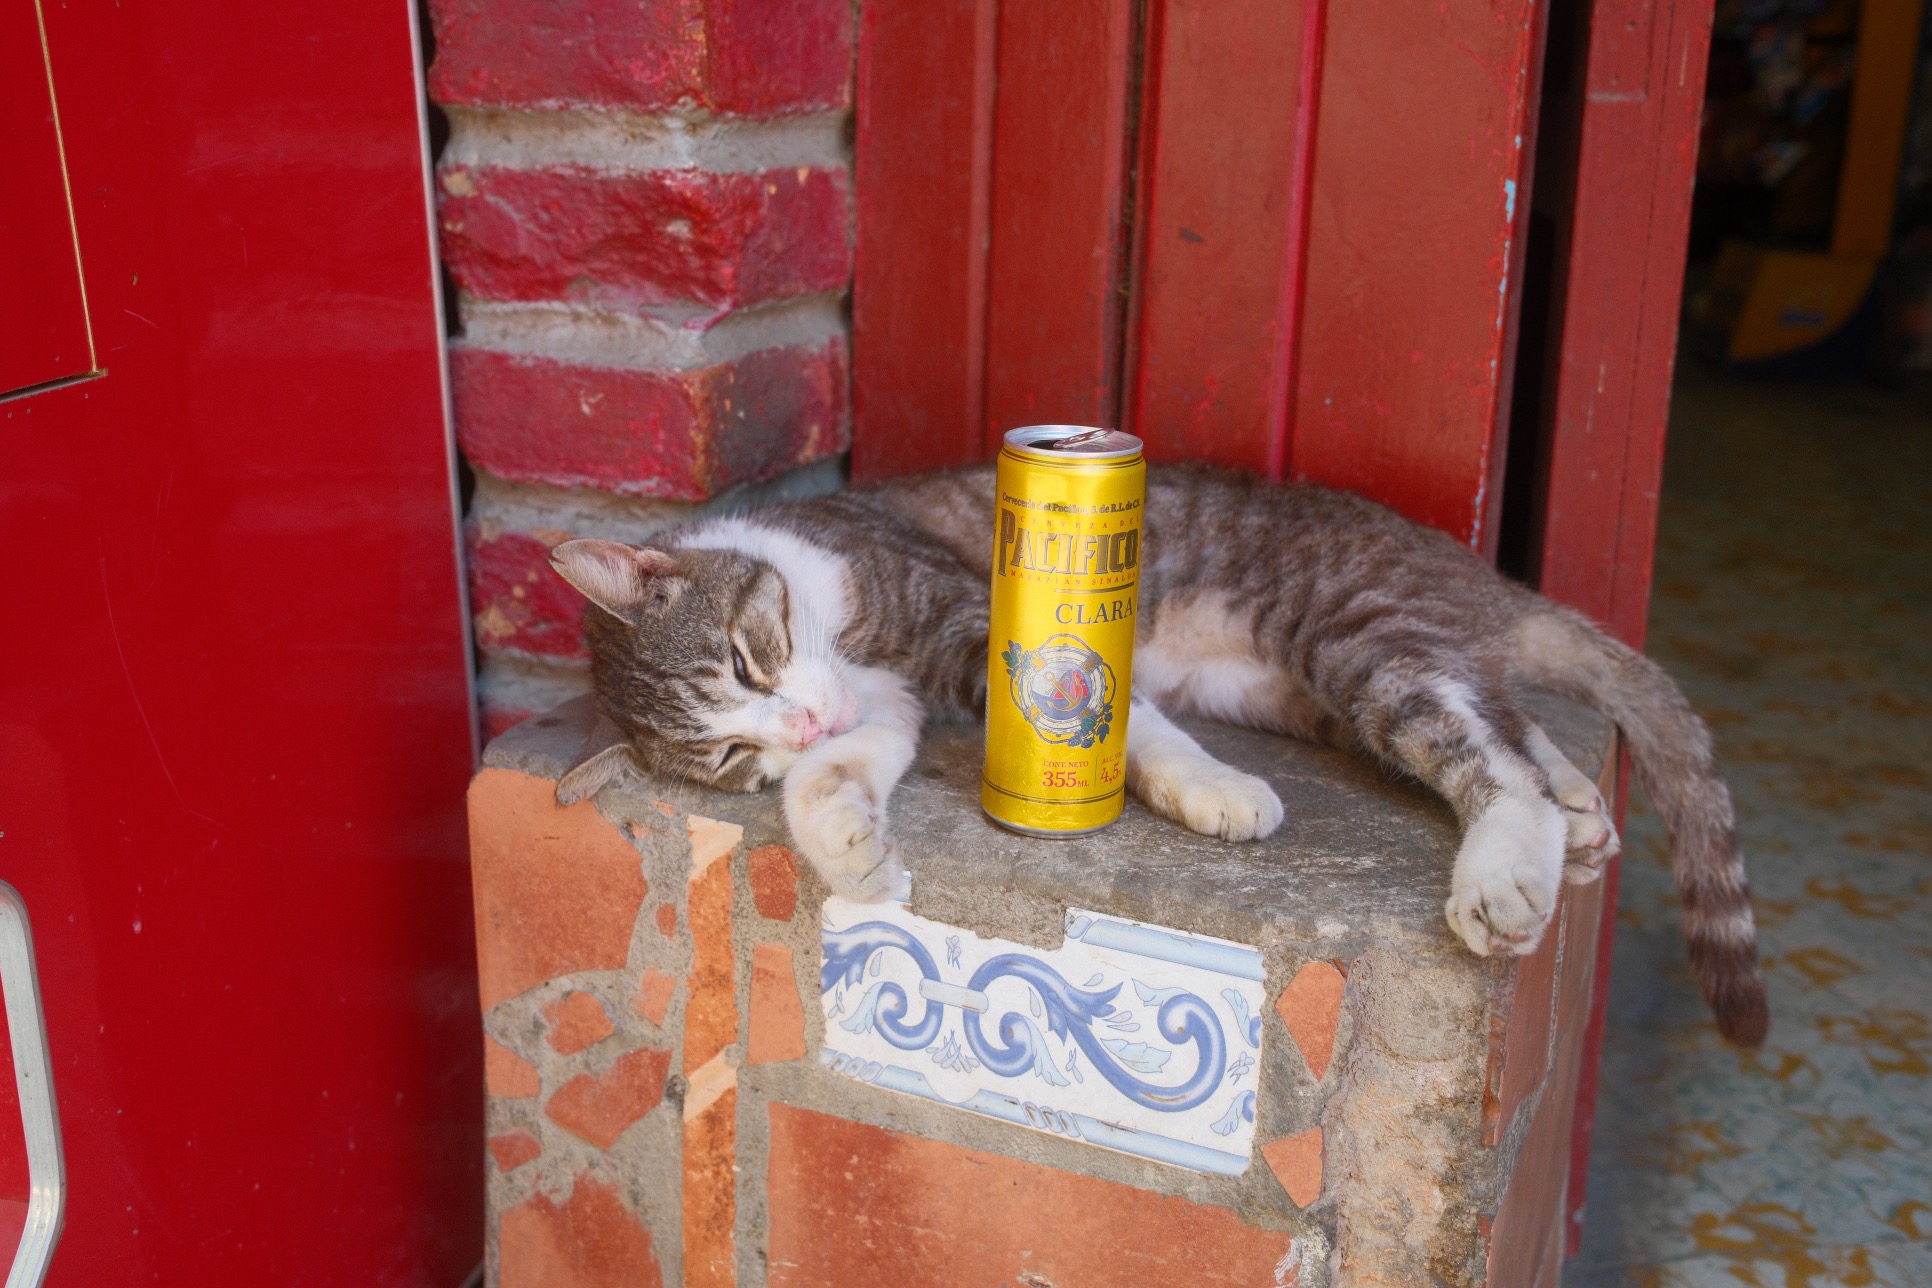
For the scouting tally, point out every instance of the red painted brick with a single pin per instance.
(743, 57)
(557, 889)
(765, 56)
(654, 991)
(499, 718)
(774, 881)
(710, 1191)
(855, 1206)
(592, 1241)
(626, 242)
(598, 1107)
(513, 1149)
(1311, 1007)
(1296, 1162)
(506, 1074)
(678, 434)
(577, 1020)
(517, 601)
(777, 1014)
(667, 920)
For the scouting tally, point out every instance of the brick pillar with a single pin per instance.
(646, 209)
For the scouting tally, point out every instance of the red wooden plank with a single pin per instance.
(1644, 92)
(1421, 156)
(1637, 161)
(44, 334)
(1217, 164)
(1301, 196)
(922, 177)
(1059, 187)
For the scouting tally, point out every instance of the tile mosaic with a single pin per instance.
(1129, 1037)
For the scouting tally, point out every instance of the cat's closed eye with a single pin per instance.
(739, 669)
(733, 752)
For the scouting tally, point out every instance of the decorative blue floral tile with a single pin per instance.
(1129, 1037)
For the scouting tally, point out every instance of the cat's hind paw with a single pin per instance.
(1592, 842)
(840, 829)
(1506, 878)
(1206, 796)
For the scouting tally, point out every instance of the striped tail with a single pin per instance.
(1671, 749)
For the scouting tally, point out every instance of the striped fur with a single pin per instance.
(1305, 611)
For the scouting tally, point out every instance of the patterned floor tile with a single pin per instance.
(1793, 601)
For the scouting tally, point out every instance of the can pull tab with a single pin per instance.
(1088, 440)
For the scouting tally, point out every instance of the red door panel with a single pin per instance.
(921, 175)
(1218, 157)
(234, 712)
(1420, 195)
(1326, 232)
(43, 311)
(1054, 301)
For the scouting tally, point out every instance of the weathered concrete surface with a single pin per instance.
(1429, 1053)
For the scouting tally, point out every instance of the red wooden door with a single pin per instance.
(235, 727)
(1279, 235)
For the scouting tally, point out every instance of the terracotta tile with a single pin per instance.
(711, 1191)
(556, 889)
(667, 920)
(1311, 1007)
(914, 1211)
(774, 881)
(507, 1074)
(777, 1014)
(577, 1020)
(654, 992)
(598, 1107)
(711, 1006)
(592, 1241)
(513, 1149)
(1296, 1162)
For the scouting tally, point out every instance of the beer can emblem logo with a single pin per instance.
(1064, 689)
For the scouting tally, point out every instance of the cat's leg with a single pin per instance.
(836, 792)
(1169, 773)
(1458, 739)
(1592, 837)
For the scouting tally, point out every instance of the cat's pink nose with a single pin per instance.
(809, 730)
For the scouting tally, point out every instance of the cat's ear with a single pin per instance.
(619, 579)
(594, 774)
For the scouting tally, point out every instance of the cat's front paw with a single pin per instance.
(1206, 796)
(1506, 878)
(841, 830)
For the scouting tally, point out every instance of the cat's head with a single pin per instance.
(702, 664)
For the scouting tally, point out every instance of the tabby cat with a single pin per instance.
(810, 641)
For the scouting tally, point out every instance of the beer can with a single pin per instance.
(1060, 660)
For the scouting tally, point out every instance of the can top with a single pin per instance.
(1073, 442)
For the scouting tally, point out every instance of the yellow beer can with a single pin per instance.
(1060, 661)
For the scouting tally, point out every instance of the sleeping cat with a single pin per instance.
(809, 642)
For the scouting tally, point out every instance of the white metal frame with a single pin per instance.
(33, 1074)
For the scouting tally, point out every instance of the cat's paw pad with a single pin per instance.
(1505, 883)
(1592, 842)
(840, 829)
(1211, 798)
